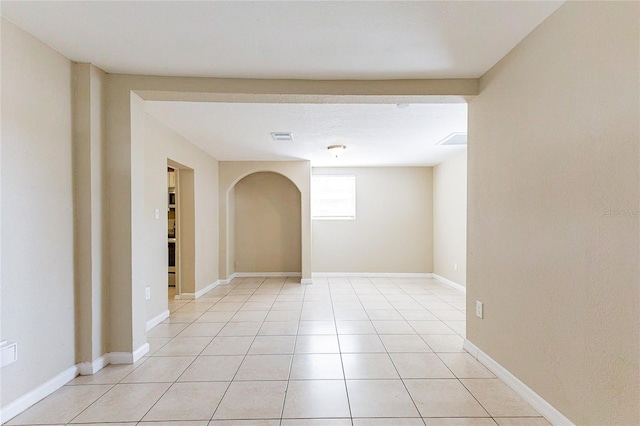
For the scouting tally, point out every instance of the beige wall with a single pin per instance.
(37, 97)
(90, 201)
(267, 224)
(393, 230)
(450, 219)
(125, 166)
(553, 151)
(37, 215)
(199, 170)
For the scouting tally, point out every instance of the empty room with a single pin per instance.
(320, 213)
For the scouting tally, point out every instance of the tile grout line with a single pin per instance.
(245, 355)
(181, 374)
(293, 354)
(344, 376)
(402, 380)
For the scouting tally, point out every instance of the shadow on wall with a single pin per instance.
(267, 224)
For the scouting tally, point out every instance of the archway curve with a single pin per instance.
(261, 170)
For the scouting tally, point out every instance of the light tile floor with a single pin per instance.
(343, 351)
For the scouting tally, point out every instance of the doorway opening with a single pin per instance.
(180, 230)
(172, 234)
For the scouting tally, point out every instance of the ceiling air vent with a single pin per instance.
(282, 136)
(454, 139)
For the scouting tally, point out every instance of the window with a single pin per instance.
(333, 197)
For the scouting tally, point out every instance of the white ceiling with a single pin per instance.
(375, 135)
(270, 39)
(294, 40)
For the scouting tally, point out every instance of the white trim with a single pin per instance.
(47, 388)
(207, 289)
(450, 283)
(372, 274)
(266, 274)
(198, 294)
(306, 281)
(228, 280)
(89, 368)
(128, 357)
(554, 416)
(140, 352)
(157, 319)
(84, 368)
(185, 296)
(120, 358)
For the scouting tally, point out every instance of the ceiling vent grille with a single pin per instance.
(454, 139)
(282, 136)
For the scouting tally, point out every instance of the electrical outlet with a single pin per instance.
(157, 213)
(479, 309)
(147, 293)
(9, 352)
(455, 266)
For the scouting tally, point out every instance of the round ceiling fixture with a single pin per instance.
(336, 150)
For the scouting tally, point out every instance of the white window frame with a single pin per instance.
(315, 216)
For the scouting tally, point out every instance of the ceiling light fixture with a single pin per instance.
(336, 150)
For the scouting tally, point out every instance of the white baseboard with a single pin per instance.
(228, 280)
(554, 416)
(120, 358)
(265, 274)
(89, 368)
(185, 296)
(140, 352)
(450, 283)
(199, 293)
(84, 368)
(207, 289)
(258, 275)
(128, 357)
(372, 274)
(306, 281)
(30, 398)
(157, 319)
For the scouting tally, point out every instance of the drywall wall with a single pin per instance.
(267, 224)
(450, 219)
(125, 166)
(393, 230)
(553, 230)
(90, 200)
(232, 172)
(37, 216)
(199, 172)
